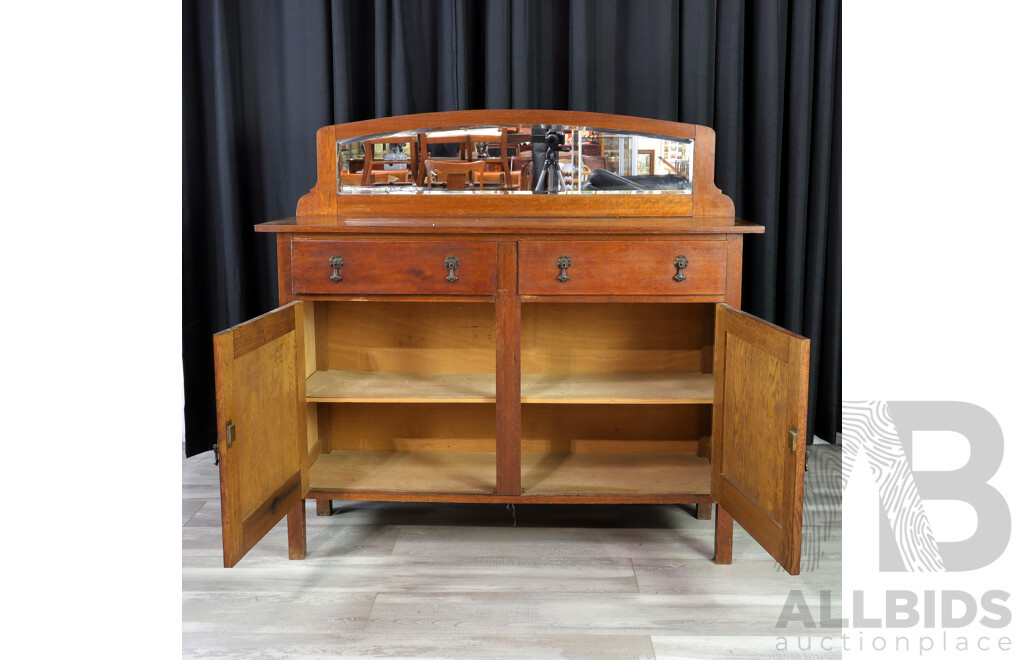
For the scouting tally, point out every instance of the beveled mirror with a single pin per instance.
(514, 159)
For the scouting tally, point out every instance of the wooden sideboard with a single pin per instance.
(512, 348)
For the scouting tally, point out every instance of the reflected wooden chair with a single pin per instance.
(454, 174)
(372, 167)
(497, 170)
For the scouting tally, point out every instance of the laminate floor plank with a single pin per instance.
(244, 646)
(764, 647)
(429, 574)
(696, 541)
(578, 613)
(690, 576)
(189, 508)
(291, 610)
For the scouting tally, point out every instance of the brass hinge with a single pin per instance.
(794, 436)
(229, 435)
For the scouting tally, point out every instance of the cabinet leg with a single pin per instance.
(704, 511)
(723, 536)
(297, 531)
(326, 508)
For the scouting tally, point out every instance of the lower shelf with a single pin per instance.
(405, 472)
(615, 474)
(473, 474)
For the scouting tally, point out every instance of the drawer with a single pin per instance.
(395, 267)
(622, 267)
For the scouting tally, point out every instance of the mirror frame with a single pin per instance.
(705, 200)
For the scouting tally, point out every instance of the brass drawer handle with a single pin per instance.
(563, 263)
(680, 263)
(451, 263)
(336, 263)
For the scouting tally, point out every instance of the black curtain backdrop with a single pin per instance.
(260, 77)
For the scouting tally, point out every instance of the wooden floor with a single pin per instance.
(390, 580)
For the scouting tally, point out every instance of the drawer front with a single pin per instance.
(622, 267)
(394, 267)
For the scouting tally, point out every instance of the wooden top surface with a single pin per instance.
(512, 225)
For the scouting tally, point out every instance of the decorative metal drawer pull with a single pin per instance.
(680, 263)
(336, 263)
(563, 263)
(451, 263)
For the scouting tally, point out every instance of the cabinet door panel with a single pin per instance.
(759, 428)
(261, 437)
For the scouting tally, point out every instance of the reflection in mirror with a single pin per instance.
(510, 159)
(632, 162)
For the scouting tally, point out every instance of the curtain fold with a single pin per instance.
(259, 78)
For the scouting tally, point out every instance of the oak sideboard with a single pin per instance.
(512, 307)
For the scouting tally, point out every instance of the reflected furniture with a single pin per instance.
(456, 175)
(372, 166)
(504, 347)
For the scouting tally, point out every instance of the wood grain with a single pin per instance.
(723, 536)
(400, 387)
(260, 331)
(675, 387)
(760, 395)
(734, 270)
(505, 202)
(622, 267)
(610, 338)
(394, 267)
(260, 384)
(322, 199)
(444, 475)
(508, 382)
(297, 531)
(513, 226)
(412, 427)
(284, 269)
(404, 471)
(412, 337)
(621, 474)
(661, 428)
(708, 199)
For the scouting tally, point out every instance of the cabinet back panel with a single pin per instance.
(567, 338)
(411, 426)
(569, 428)
(411, 337)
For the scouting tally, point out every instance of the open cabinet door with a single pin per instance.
(758, 431)
(261, 436)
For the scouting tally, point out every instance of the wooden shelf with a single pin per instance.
(618, 388)
(404, 472)
(615, 474)
(543, 474)
(399, 387)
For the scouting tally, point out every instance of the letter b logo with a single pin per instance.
(883, 432)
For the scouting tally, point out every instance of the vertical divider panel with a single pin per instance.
(507, 372)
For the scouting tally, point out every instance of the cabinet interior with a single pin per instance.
(615, 397)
